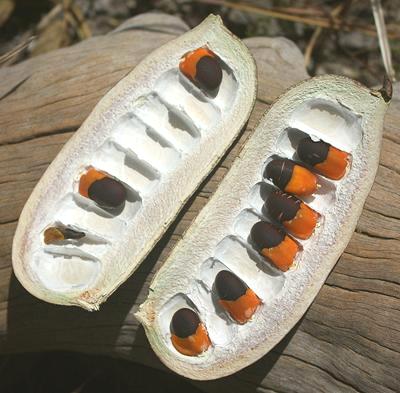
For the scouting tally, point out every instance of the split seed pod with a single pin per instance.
(334, 109)
(126, 173)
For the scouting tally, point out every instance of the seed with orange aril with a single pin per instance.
(235, 296)
(298, 218)
(291, 177)
(203, 68)
(274, 244)
(104, 190)
(189, 335)
(326, 159)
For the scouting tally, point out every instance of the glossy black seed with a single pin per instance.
(265, 235)
(229, 286)
(107, 192)
(279, 171)
(312, 152)
(184, 323)
(209, 72)
(71, 233)
(282, 207)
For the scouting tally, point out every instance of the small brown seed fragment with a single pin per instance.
(54, 235)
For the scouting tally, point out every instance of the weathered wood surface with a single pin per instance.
(349, 340)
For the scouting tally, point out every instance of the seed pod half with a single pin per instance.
(298, 218)
(222, 232)
(291, 177)
(235, 296)
(274, 244)
(326, 159)
(126, 173)
(203, 68)
(188, 334)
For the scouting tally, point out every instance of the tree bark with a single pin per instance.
(349, 340)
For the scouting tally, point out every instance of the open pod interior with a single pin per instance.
(334, 109)
(150, 141)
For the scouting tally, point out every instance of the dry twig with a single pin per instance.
(9, 57)
(316, 21)
(383, 38)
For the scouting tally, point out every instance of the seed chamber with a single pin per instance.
(66, 268)
(330, 121)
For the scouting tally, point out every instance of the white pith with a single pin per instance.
(160, 136)
(332, 108)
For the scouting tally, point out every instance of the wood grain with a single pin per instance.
(348, 341)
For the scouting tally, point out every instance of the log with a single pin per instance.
(349, 340)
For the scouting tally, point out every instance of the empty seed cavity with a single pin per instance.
(330, 122)
(66, 271)
(146, 144)
(190, 106)
(153, 112)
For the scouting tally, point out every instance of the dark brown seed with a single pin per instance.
(312, 152)
(229, 286)
(282, 207)
(107, 192)
(184, 323)
(279, 171)
(209, 72)
(265, 235)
